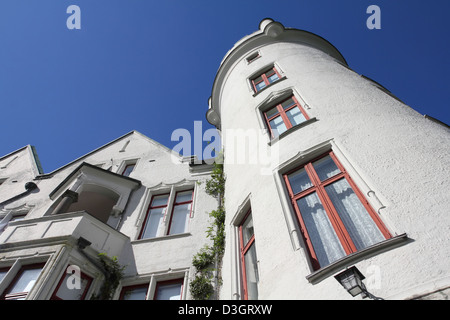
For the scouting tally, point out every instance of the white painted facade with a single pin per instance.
(44, 235)
(398, 159)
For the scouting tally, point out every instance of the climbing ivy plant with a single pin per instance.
(113, 272)
(209, 258)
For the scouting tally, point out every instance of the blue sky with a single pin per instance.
(149, 65)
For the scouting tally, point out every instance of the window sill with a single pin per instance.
(161, 238)
(353, 258)
(294, 128)
(269, 85)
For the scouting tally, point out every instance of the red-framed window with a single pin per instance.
(155, 216)
(284, 116)
(72, 286)
(134, 292)
(249, 261)
(23, 282)
(169, 290)
(335, 218)
(157, 213)
(264, 79)
(181, 212)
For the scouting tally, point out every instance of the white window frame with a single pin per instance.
(6, 218)
(16, 266)
(126, 163)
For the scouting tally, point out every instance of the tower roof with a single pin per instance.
(269, 32)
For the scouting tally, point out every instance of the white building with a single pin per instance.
(132, 199)
(343, 174)
(324, 168)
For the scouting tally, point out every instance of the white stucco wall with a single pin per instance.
(398, 158)
(16, 169)
(147, 260)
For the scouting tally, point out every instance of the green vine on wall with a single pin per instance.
(113, 272)
(209, 259)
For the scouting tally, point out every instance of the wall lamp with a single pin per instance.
(351, 279)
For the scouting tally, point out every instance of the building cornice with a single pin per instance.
(269, 32)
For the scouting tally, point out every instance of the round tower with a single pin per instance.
(325, 170)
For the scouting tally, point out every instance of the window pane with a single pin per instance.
(160, 200)
(247, 229)
(72, 293)
(138, 293)
(324, 240)
(272, 78)
(184, 196)
(153, 223)
(295, 116)
(288, 103)
(25, 281)
(270, 73)
(251, 273)
(259, 79)
(278, 126)
(260, 85)
(326, 168)
(169, 291)
(128, 169)
(299, 181)
(358, 222)
(272, 112)
(180, 218)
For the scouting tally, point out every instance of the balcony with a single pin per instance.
(63, 228)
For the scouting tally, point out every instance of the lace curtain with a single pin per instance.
(322, 235)
(360, 226)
